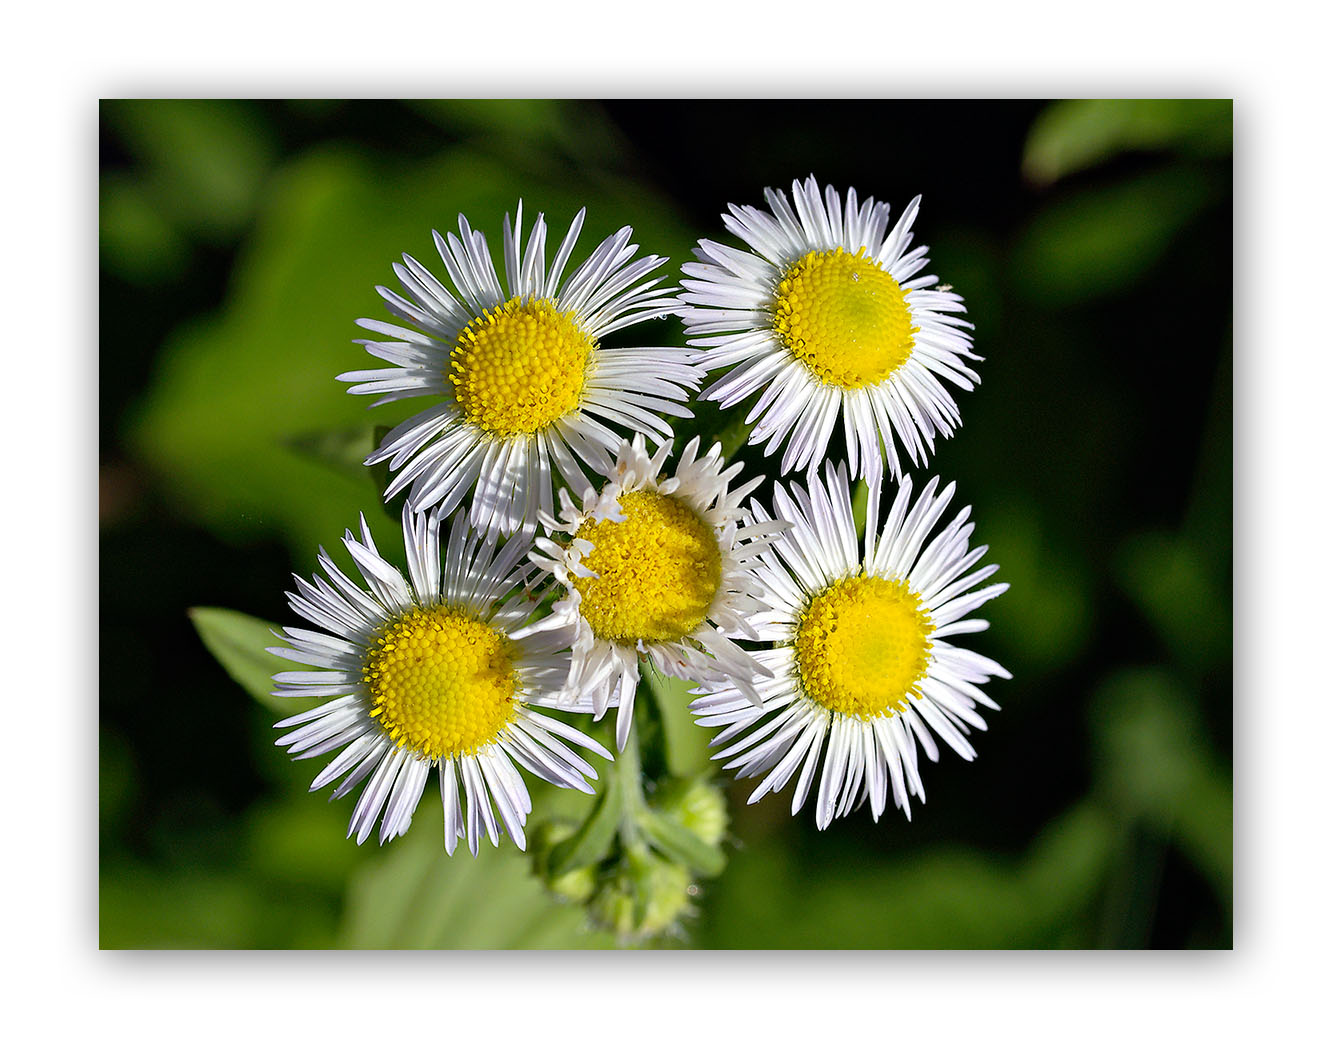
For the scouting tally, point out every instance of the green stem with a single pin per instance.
(629, 771)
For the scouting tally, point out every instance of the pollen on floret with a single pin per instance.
(519, 367)
(658, 570)
(844, 317)
(862, 646)
(440, 682)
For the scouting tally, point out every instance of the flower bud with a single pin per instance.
(646, 898)
(698, 806)
(576, 885)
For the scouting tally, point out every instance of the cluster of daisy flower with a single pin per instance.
(554, 545)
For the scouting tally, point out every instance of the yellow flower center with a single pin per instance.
(519, 367)
(862, 646)
(844, 317)
(658, 570)
(441, 683)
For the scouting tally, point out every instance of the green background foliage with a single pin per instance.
(1092, 242)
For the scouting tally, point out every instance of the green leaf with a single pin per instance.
(136, 240)
(1154, 763)
(1076, 134)
(1044, 620)
(238, 642)
(116, 780)
(498, 119)
(1173, 583)
(206, 159)
(1103, 240)
(297, 838)
(414, 895)
(592, 841)
(933, 897)
(679, 843)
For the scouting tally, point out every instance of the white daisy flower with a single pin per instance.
(827, 317)
(861, 671)
(516, 372)
(444, 669)
(657, 568)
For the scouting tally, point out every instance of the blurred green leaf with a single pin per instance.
(1206, 828)
(1067, 861)
(301, 840)
(1045, 616)
(1145, 739)
(1209, 523)
(414, 895)
(206, 159)
(1171, 582)
(1075, 134)
(1155, 762)
(238, 642)
(1153, 765)
(591, 842)
(233, 394)
(939, 898)
(116, 779)
(135, 239)
(182, 908)
(1103, 240)
(973, 261)
(142, 908)
(517, 118)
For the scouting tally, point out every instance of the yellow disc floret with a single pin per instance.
(862, 646)
(658, 570)
(519, 367)
(441, 682)
(845, 317)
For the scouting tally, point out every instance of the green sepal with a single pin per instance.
(678, 843)
(591, 842)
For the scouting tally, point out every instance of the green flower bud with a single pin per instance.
(698, 806)
(613, 909)
(647, 897)
(664, 892)
(576, 885)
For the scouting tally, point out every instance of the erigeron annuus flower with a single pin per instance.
(444, 669)
(827, 317)
(660, 568)
(862, 671)
(517, 373)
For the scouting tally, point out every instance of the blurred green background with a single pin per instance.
(1092, 241)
